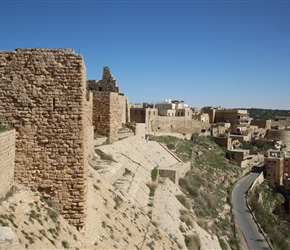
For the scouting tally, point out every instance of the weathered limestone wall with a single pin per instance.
(177, 125)
(140, 129)
(124, 109)
(110, 110)
(171, 174)
(88, 116)
(101, 113)
(107, 84)
(7, 158)
(43, 96)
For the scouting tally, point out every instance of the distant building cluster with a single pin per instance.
(229, 127)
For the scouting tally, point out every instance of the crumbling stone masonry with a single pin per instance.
(110, 108)
(7, 158)
(107, 84)
(43, 96)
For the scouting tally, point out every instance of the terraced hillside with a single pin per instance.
(129, 207)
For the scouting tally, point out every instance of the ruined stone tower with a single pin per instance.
(43, 96)
(110, 107)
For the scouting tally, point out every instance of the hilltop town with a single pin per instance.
(78, 150)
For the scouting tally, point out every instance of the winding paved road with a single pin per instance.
(254, 239)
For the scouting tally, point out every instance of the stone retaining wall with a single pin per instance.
(164, 124)
(7, 158)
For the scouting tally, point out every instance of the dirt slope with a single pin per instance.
(114, 220)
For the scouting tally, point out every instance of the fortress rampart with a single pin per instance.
(7, 149)
(107, 84)
(109, 113)
(110, 108)
(179, 125)
(43, 96)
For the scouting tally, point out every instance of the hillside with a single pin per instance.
(129, 208)
(208, 187)
(267, 114)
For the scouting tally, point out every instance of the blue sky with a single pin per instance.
(234, 54)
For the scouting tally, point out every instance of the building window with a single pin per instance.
(148, 112)
(153, 112)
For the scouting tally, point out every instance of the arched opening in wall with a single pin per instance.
(100, 89)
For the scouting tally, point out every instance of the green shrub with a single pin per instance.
(118, 200)
(154, 174)
(184, 201)
(187, 219)
(192, 242)
(3, 129)
(276, 228)
(65, 244)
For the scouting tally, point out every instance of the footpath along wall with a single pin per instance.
(7, 157)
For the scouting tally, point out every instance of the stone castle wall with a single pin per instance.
(43, 96)
(110, 107)
(171, 174)
(88, 119)
(101, 107)
(107, 84)
(124, 109)
(164, 124)
(110, 111)
(7, 158)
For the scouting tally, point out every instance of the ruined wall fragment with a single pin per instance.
(110, 108)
